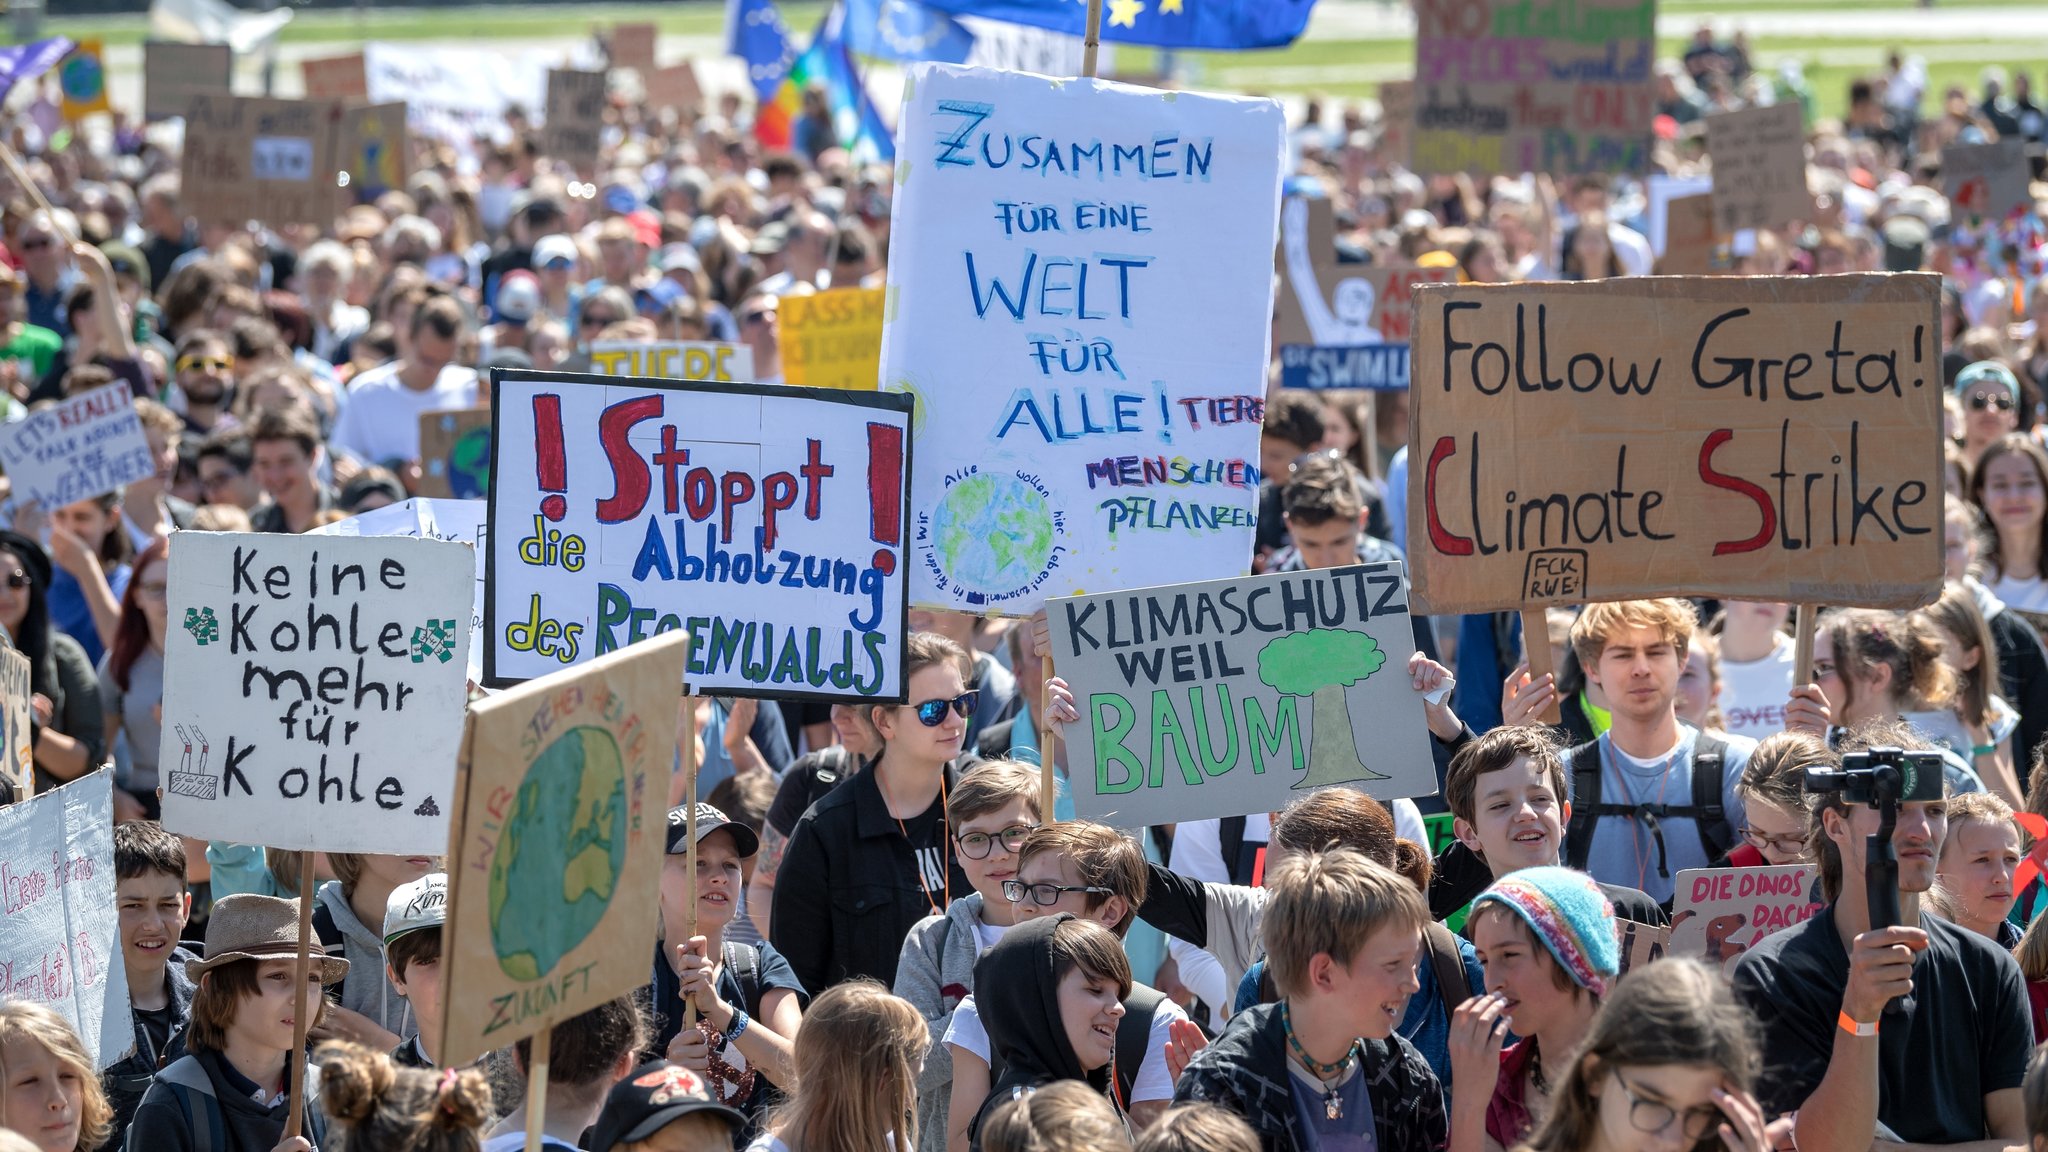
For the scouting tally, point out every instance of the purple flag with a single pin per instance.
(27, 61)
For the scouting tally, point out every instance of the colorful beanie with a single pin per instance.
(1570, 915)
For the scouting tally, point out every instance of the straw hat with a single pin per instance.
(246, 926)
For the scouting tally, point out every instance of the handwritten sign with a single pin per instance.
(174, 73)
(319, 689)
(1235, 696)
(1719, 913)
(1081, 302)
(431, 519)
(833, 339)
(62, 947)
(343, 78)
(1692, 244)
(17, 699)
(767, 521)
(1505, 86)
(674, 360)
(557, 852)
(632, 46)
(1762, 438)
(575, 117)
(77, 448)
(1759, 159)
(374, 151)
(1341, 325)
(1640, 943)
(82, 80)
(455, 454)
(1987, 180)
(248, 158)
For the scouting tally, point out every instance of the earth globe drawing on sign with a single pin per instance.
(469, 465)
(993, 532)
(561, 854)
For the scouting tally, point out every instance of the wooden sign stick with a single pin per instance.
(537, 1086)
(1048, 789)
(295, 1063)
(1536, 644)
(689, 754)
(1089, 44)
(1802, 645)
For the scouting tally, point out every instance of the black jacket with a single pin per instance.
(1020, 1009)
(848, 891)
(193, 1108)
(126, 1081)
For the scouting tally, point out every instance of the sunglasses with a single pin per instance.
(18, 579)
(1979, 401)
(932, 713)
(205, 363)
(761, 316)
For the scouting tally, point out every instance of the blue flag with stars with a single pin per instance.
(1163, 23)
(756, 34)
(905, 30)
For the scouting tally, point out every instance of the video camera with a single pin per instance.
(1882, 778)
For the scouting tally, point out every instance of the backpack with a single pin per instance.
(744, 962)
(209, 1123)
(1709, 757)
(1446, 962)
(1230, 842)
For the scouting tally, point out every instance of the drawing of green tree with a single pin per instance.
(1320, 664)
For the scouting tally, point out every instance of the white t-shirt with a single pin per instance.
(382, 419)
(2029, 595)
(1152, 1083)
(986, 935)
(1753, 693)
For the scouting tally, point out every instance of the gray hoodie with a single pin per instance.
(935, 973)
(366, 990)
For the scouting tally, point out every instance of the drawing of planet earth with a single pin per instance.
(469, 465)
(561, 854)
(993, 533)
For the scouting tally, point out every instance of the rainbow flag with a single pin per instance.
(856, 124)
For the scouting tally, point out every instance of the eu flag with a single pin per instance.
(756, 34)
(1164, 23)
(905, 30)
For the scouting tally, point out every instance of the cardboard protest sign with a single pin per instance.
(1503, 86)
(344, 78)
(674, 360)
(77, 448)
(248, 158)
(1759, 159)
(174, 73)
(17, 698)
(373, 151)
(1719, 913)
(833, 339)
(767, 521)
(319, 689)
(1080, 299)
(1987, 180)
(1341, 325)
(62, 947)
(430, 519)
(1760, 438)
(1235, 696)
(82, 80)
(455, 454)
(555, 852)
(1640, 943)
(1692, 245)
(675, 87)
(1397, 122)
(632, 46)
(575, 117)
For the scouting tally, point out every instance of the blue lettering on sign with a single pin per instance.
(1378, 366)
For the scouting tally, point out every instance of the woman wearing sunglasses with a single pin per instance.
(2010, 483)
(132, 674)
(65, 730)
(872, 858)
(1990, 395)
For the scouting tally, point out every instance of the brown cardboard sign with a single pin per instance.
(675, 87)
(1503, 86)
(1397, 122)
(374, 150)
(1328, 304)
(1761, 438)
(249, 158)
(575, 117)
(336, 78)
(633, 46)
(1987, 180)
(1759, 159)
(174, 73)
(1692, 245)
(455, 454)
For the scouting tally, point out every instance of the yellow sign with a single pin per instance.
(674, 360)
(83, 78)
(833, 339)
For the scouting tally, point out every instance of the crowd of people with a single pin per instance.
(897, 945)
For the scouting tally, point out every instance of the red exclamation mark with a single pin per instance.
(550, 460)
(885, 492)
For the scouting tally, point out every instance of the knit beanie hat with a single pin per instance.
(1569, 914)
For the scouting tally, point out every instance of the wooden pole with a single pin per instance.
(302, 1017)
(1048, 789)
(1089, 45)
(537, 1087)
(689, 754)
(1536, 644)
(28, 187)
(1802, 645)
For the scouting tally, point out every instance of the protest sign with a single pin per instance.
(1080, 299)
(456, 95)
(675, 87)
(632, 46)
(557, 844)
(1341, 325)
(174, 73)
(1236, 696)
(1692, 246)
(455, 454)
(1756, 438)
(431, 519)
(1659, 191)
(575, 117)
(1505, 86)
(77, 448)
(1720, 913)
(82, 80)
(1987, 180)
(249, 158)
(1759, 159)
(1640, 943)
(767, 521)
(17, 698)
(344, 78)
(1397, 122)
(833, 339)
(319, 691)
(62, 947)
(373, 151)
(674, 360)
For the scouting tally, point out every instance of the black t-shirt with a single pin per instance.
(1965, 1032)
(158, 1024)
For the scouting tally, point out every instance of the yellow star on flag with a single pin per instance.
(1166, 6)
(1126, 12)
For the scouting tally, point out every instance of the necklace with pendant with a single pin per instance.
(1331, 1075)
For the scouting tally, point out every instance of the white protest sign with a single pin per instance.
(62, 946)
(314, 688)
(673, 359)
(17, 712)
(767, 520)
(77, 448)
(1230, 697)
(1720, 913)
(1081, 299)
(429, 519)
(459, 95)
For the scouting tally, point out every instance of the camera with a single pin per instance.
(1879, 774)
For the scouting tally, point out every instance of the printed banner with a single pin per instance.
(1513, 86)
(62, 947)
(174, 73)
(1987, 180)
(431, 519)
(82, 80)
(1759, 159)
(575, 117)
(320, 687)
(1236, 696)
(767, 521)
(674, 360)
(1720, 913)
(455, 454)
(1086, 339)
(77, 448)
(556, 855)
(1760, 438)
(833, 339)
(344, 78)
(249, 158)
(17, 710)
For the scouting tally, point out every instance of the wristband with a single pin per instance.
(737, 1027)
(1855, 1028)
(1983, 750)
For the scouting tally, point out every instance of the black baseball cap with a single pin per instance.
(709, 820)
(653, 1097)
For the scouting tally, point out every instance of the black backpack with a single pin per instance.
(1709, 756)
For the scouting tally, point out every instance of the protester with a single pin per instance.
(1978, 722)
(1056, 986)
(1973, 886)
(227, 461)
(2032, 957)
(1064, 1116)
(664, 1107)
(287, 453)
(745, 800)
(131, 676)
(48, 1092)
(348, 920)
(1877, 666)
(374, 1103)
(91, 551)
(997, 698)
(151, 897)
(587, 1054)
(1773, 787)
(1991, 397)
(68, 733)
(413, 916)
(856, 1064)
(2009, 481)
(1756, 668)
